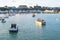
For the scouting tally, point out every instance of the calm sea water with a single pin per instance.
(28, 30)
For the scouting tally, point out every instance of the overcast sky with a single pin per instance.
(51, 3)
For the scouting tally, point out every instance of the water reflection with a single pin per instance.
(38, 25)
(30, 29)
(40, 28)
(57, 19)
(13, 36)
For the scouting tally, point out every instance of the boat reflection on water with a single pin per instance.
(13, 36)
(39, 27)
(38, 24)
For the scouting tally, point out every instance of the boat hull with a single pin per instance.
(44, 23)
(13, 30)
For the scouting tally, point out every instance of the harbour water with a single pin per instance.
(28, 30)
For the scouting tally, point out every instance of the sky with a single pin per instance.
(49, 3)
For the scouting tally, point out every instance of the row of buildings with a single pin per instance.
(25, 9)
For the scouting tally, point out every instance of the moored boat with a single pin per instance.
(41, 21)
(3, 21)
(33, 15)
(13, 28)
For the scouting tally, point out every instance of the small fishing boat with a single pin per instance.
(13, 28)
(41, 21)
(3, 21)
(33, 15)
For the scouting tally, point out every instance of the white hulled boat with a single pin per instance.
(13, 28)
(41, 21)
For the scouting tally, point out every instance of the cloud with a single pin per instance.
(30, 2)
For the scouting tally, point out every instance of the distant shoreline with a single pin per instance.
(25, 9)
